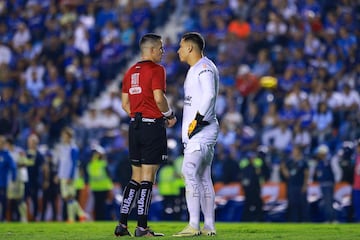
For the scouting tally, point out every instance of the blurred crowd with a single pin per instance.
(289, 82)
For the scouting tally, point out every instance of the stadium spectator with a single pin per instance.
(262, 65)
(16, 189)
(21, 36)
(170, 189)
(5, 53)
(8, 123)
(50, 187)
(239, 27)
(356, 185)
(247, 82)
(302, 138)
(324, 175)
(270, 118)
(100, 182)
(279, 138)
(33, 186)
(252, 175)
(296, 174)
(109, 119)
(7, 166)
(67, 156)
(322, 123)
(232, 118)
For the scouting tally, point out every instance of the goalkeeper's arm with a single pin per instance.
(196, 125)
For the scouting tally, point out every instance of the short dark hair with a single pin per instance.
(149, 37)
(10, 140)
(195, 38)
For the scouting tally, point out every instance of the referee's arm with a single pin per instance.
(163, 105)
(125, 102)
(161, 100)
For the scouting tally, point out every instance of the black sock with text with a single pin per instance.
(128, 201)
(144, 201)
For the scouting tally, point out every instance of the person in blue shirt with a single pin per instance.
(324, 175)
(7, 165)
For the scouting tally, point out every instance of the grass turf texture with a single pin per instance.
(248, 231)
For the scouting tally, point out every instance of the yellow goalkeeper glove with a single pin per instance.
(196, 125)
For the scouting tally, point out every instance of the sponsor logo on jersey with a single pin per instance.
(135, 79)
(135, 90)
(204, 71)
(187, 100)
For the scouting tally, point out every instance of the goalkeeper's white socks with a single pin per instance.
(207, 200)
(190, 168)
(200, 194)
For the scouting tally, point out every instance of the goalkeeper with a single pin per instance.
(200, 129)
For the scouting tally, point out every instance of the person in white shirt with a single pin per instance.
(21, 36)
(350, 99)
(200, 129)
(278, 138)
(108, 119)
(5, 54)
(66, 156)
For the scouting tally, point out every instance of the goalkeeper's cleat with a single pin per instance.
(146, 232)
(188, 231)
(121, 230)
(208, 232)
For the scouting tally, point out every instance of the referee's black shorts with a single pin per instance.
(147, 142)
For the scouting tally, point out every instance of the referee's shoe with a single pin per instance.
(121, 230)
(146, 232)
(188, 231)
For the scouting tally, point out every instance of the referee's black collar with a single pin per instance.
(144, 61)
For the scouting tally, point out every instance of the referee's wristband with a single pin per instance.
(169, 114)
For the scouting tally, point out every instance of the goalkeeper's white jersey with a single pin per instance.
(201, 88)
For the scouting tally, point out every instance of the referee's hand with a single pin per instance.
(170, 122)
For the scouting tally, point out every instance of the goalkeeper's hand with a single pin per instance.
(196, 125)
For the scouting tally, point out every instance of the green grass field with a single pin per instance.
(238, 231)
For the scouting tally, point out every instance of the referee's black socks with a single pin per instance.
(144, 201)
(128, 201)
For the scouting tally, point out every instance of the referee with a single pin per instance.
(143, 98)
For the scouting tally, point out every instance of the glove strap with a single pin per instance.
(199, 117)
